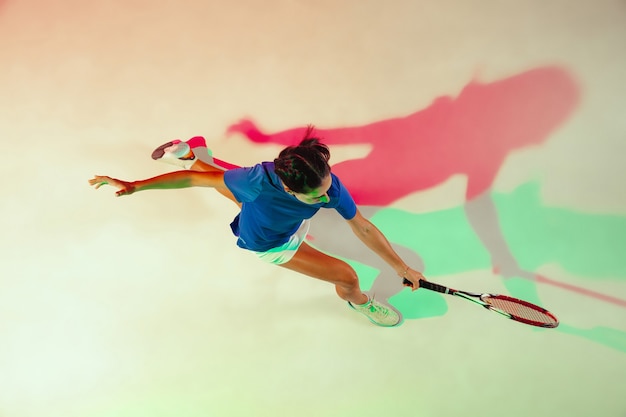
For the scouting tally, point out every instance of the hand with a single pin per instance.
(413, 277)
(124, 188)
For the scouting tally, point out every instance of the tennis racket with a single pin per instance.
(513, 308)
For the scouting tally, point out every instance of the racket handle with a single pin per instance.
(429, 286)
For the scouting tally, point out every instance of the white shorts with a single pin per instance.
(284, 253)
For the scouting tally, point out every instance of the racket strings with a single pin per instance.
(521, 309)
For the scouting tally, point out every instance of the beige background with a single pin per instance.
(143, 306)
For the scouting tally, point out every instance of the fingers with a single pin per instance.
(123, 187)
(417, 281)
(412, 279)
(408, 283)
(123, 191)
(99, 180)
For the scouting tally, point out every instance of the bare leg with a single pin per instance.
(198, 165)
(326, 226)
(316, 264)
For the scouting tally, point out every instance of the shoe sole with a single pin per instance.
(159, 152)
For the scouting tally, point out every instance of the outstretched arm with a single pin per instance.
(377, 242)
(177, 179)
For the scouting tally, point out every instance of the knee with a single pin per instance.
(347, 276)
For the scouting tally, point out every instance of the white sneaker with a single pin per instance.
(378, 313)
(176, 153)
(184, 154)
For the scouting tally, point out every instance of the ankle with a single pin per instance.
(363, 300)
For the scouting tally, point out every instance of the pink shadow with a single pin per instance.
(471, 134)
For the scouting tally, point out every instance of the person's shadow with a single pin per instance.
(469, 135)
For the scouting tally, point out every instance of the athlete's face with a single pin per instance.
(316, 196)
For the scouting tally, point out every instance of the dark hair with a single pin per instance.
(303, 167)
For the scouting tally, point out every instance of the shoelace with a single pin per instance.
(378, 308)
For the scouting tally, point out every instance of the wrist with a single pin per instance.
(402, 271)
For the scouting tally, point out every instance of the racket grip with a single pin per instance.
(429, 286)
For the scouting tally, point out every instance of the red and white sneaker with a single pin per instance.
(184, 154)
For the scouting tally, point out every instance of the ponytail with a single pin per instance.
(303, 167)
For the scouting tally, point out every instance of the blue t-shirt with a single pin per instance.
(270, 216)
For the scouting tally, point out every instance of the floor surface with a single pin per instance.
(485, 138)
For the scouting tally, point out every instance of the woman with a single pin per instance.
(277, 199)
